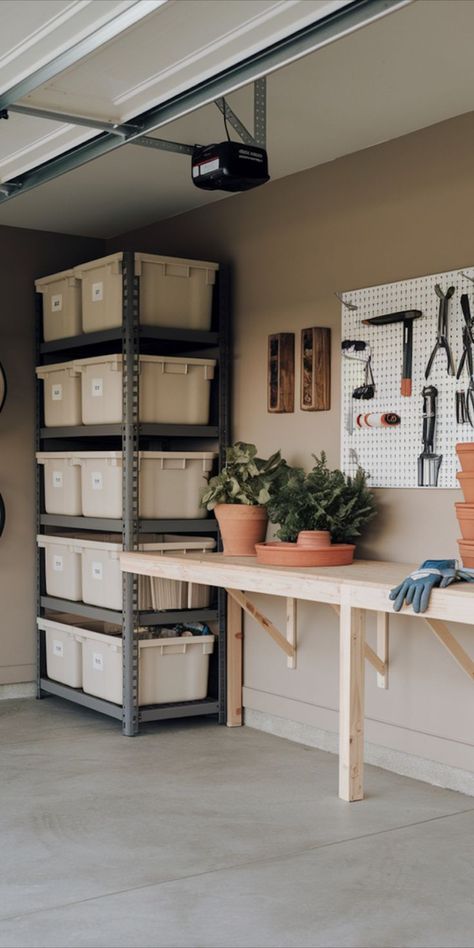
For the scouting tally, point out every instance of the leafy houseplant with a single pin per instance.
(322, 500)
(239, 495)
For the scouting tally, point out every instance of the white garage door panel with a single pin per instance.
(180, 44)
(33, 32)
(26, 142)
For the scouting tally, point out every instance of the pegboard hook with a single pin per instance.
(347, 303)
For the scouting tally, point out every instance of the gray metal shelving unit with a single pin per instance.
(130, 436)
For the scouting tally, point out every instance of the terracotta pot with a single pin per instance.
(465, 454)
(466, 552)
(466, 481)
(465, 515)
(314, 539)
(290, 554)
(241, 527)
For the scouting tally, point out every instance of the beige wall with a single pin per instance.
(24, 255)
(392, 212)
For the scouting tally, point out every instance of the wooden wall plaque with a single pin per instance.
(316, 369)
(281, 372)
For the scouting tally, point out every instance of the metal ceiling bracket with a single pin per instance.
(260, 111)
(234, 120)
(291, 48)
(146, 141)
(91, 43)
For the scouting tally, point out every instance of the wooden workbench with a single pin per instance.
(350, 590)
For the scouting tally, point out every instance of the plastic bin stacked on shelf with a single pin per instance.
(88, 655)
(86, 568)
(89, 483)
(174, 293)
(88, 391)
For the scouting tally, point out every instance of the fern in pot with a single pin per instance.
(240, 493)
(322, 507)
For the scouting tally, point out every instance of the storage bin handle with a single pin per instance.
(176, 270)
(173, 464)
(174, 368)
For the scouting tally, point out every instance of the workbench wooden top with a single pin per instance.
(367, 581)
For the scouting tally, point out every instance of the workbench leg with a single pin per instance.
(234, 663)
(351, 702)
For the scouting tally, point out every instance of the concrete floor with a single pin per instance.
(195, 835)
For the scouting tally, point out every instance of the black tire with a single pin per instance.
(3, 515)
(3, 386)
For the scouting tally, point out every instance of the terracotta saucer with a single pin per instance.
(289, 554)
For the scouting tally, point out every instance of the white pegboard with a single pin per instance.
(390, 455)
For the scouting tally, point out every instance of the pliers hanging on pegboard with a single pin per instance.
(465, 401)
(442, 333)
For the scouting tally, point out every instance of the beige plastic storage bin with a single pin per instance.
(62, 482)
(101, 291)
(102, 576)
(179, 594)
(175, 292)
(84, 567)
(174, 669)
(61, 294)
(172, 482)
(64, 646)
(172, 390)
(61, 394)
(62, 566)
(101, 483)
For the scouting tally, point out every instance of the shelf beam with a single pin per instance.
(147, 334)
(207, 525)
(144, 430)
(167, 712)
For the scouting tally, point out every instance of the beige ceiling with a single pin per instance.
(407, 71)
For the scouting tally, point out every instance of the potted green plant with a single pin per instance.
(326, 503)
(239, 495)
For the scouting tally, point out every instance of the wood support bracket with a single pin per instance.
(378, 661)
(452, 645)
(284, 643)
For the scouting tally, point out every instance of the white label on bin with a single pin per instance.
(57, 392)
(58, 563)
(58, 649)
(57, 478)
(97, 292)
(97, 388)
(97, 480)
(97, 661)
(57, 303)
(97, 571)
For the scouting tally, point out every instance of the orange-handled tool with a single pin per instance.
(406, 317)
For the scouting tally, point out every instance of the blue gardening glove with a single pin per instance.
(417, 587)
(465, 575)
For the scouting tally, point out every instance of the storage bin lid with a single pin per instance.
(117, 359)
(96, 264)
(72, 539)
(53, 278)
(43, 370)
(117, 455)
(178, 455)
(42, 456)
(162, 544)
(165, 644)
(76, 625)
(98, 455)
(172, 261)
